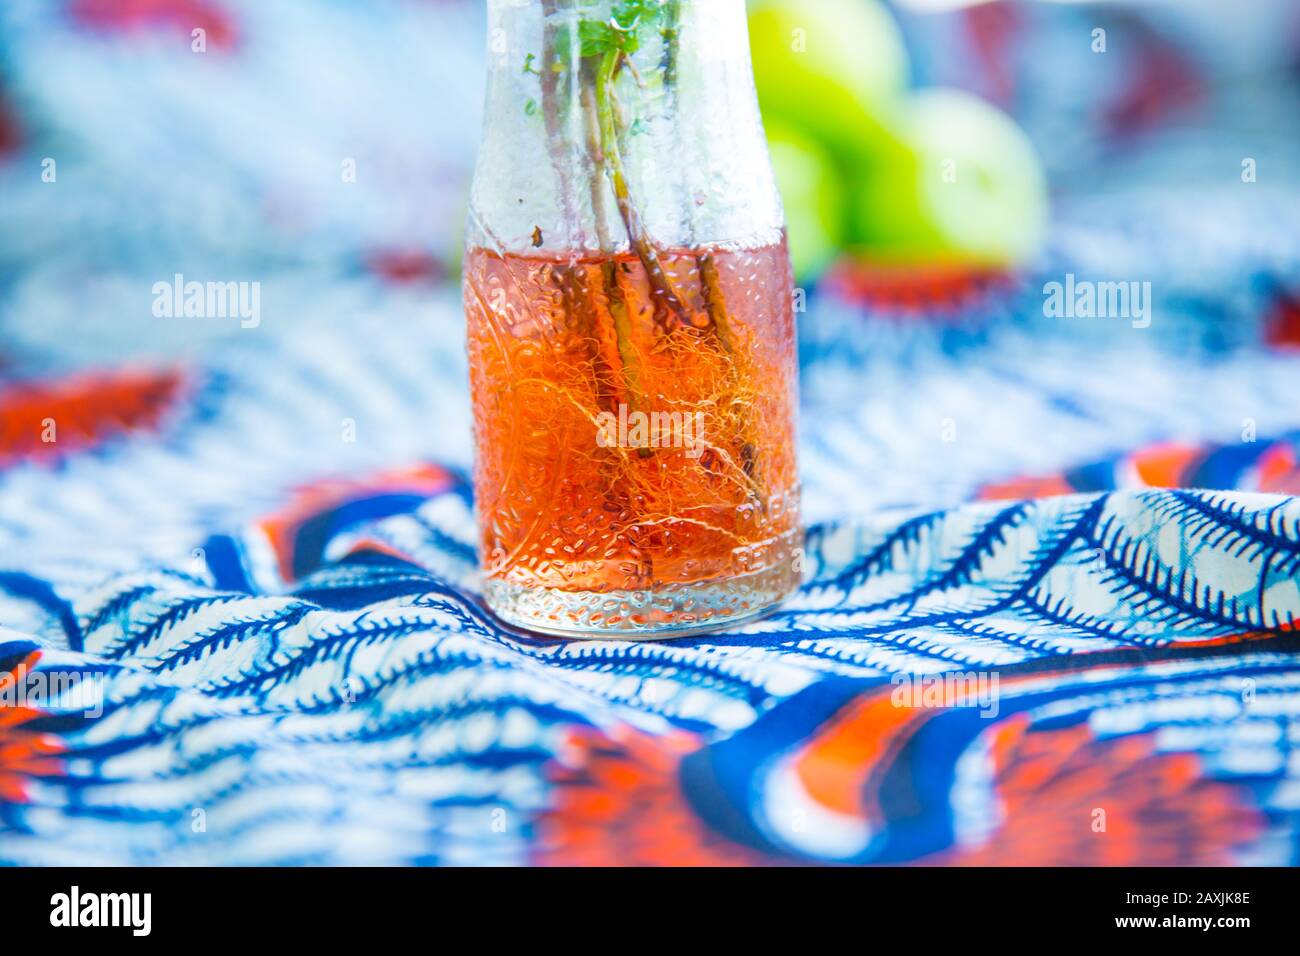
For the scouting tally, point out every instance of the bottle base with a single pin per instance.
(671, 611)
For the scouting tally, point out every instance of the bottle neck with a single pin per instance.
(613, 123)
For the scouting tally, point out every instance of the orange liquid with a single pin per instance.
(629, 439)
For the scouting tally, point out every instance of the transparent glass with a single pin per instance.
(630, 324)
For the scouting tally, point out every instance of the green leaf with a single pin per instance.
(633, 15)
(596, 37)
(627, 24)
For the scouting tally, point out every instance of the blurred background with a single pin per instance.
(323, 148)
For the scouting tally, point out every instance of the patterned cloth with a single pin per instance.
(1052, 568)
(1103, 677)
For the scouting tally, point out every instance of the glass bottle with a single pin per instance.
(630, 324)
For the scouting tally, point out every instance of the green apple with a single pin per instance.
(814, 199)
(827, 68)
(967, 187)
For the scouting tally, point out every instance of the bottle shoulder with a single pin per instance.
(600, 133)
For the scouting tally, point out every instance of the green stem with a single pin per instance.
(591, 115)
(716, 301)
(671, 35)
(555, 142)
(607, 106)
(616, 301)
